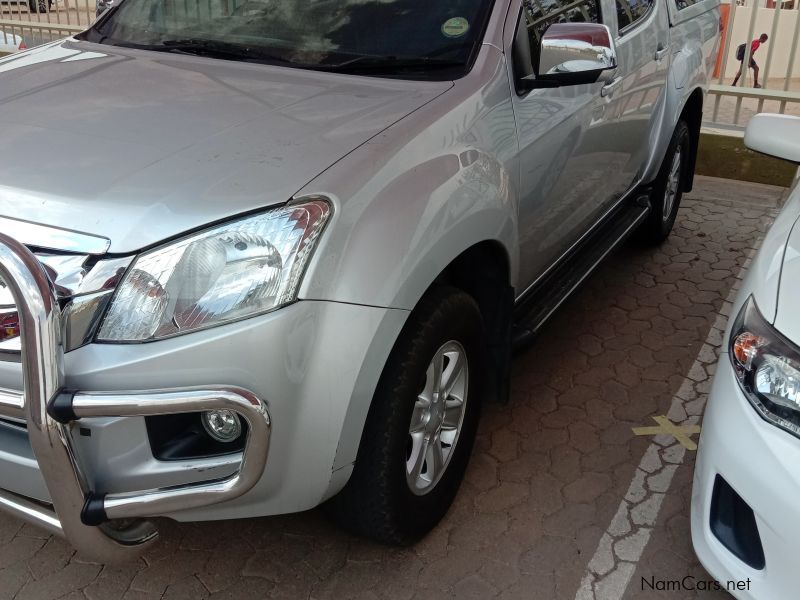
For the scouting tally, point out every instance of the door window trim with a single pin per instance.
(622, 32)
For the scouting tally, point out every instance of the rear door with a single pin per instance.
(568, 154)
(643, 54)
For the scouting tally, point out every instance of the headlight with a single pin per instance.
(237, 270)
(767, 366)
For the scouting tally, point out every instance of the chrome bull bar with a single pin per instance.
(87, 518)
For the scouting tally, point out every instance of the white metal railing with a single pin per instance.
(777, 59)
(36, 22)
(40, 21)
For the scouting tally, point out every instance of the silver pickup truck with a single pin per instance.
(279, 253)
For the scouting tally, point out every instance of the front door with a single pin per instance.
(569, 157)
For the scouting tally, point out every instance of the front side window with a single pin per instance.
(402, 38)
(631, 11)
(540, 14)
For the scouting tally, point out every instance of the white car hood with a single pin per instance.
(787, 318)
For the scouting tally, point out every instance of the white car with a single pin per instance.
(10, 42)
(745, 509)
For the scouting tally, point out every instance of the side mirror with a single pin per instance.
(574, 54)
(776, 135)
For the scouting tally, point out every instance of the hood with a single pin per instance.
(139, 146)
(787, 318)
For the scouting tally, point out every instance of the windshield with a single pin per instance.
(397, 38)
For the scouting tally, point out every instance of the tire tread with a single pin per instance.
(370, 504)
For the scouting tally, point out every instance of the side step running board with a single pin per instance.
(531, 312)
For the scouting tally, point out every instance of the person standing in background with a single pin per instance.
(740, 51)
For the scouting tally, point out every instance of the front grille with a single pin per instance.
(65, 271)
(13, 423)
(9, 321)
(72, 261)
(83, 285)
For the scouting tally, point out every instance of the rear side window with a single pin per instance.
(631, 11)
(540, 14)
(685, 3)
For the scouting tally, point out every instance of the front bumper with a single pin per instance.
(49, 410)
(315, 364)
(759, 461)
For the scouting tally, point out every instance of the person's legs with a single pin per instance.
(738, 74)
(754, 64)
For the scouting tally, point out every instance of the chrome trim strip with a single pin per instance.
(104, 275)
(635, 25)
(66, 271)
(10, 349)
(12, 404)
(82, 316)
(43, 377)
(24, 509)
(6, 301)
(54, 238)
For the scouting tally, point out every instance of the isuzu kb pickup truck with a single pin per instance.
(277, 253)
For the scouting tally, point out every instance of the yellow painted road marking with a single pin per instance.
(667, 427)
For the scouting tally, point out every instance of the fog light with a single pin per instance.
(222, 425)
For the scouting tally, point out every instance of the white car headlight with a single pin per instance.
(767, 366)
(236, 270)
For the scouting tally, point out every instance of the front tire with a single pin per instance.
(668, 187)
(421, 425)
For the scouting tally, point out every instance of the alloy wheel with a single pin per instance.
(437, 418)
(673, 184)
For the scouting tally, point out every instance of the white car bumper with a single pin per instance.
(760, 462)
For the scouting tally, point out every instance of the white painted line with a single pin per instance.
(610, 569)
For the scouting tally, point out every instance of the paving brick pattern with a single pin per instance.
(548, 473)
(620, 549)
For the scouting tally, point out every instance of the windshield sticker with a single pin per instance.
(455, 27)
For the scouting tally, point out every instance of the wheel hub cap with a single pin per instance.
(437, 418)
(673, 185)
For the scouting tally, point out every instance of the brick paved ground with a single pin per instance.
(546, 478)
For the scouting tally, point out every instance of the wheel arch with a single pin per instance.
(678, 105)
(486, 262)
(692, 114)
(482, 270)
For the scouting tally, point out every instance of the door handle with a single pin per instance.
(661, 52)
(612, 85)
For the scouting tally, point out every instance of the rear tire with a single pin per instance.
(668, 188)
(400, 487)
